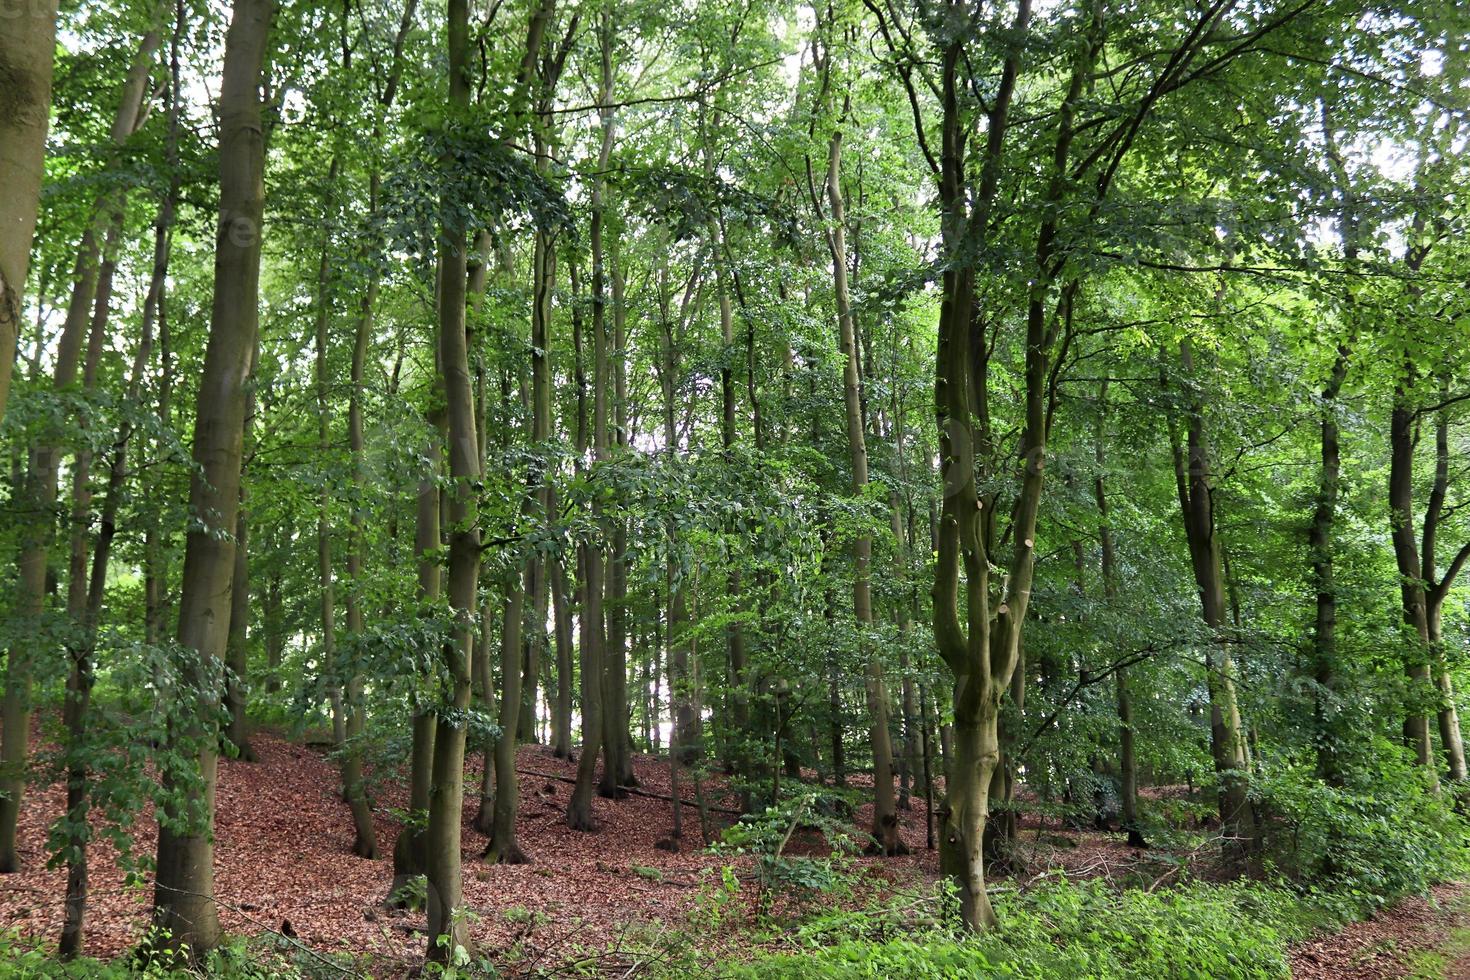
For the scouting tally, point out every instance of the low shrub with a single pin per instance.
(1065, 929)
(1382, 834)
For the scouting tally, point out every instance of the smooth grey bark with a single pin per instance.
(1194, 480)
(561, 714)
(1127, 754)
(237, 650)
(885, 815)
(448, 933)
(409, 855)
(27, 51)
(183, 902)
(39, 492)
(79, 686)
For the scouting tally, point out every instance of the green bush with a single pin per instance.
(258, 958)
(1065, 929)
(1384, 833)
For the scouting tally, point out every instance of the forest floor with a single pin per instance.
(283, 865)
(1422, 938)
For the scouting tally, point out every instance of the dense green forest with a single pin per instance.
(982, 487)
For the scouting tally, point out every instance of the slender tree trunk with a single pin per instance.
(579, 809)
(328, 667)
(1127, 755)
(78, 608)
(1411, 581)
(612, 623)
(1320, 543)
(618, 716)
(503, 847)
(733, 751)
(447, 931)
(237, 649)
(27, 50)
(589, 615)
(273, 628)
(1423, 597)
(184, 909)
(927, 734)
(688, 735)
(365, 836)
(1195, 485)
(94, 262)
(485, 689)
(1451, 738)
(885, 814)
(155, 563)
(79, 687)
(561, 715)
(596, 689)
(409, 858)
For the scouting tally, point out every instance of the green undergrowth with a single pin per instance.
(1059, 929)
(240, 958)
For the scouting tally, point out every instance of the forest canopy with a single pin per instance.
(867, 448)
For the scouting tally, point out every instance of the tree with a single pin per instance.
(447, 931)
(183, 899)
(27, 51)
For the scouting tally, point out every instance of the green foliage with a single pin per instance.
(269, 957)
(1382, 834)
(412, 894)
(767, 834)
(1064, 929)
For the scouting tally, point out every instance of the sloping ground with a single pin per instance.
(1425, 938)
(283, 863)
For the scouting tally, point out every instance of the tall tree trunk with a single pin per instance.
(237, 649)
(365, 836)
(983, 653)
(579, 808)
(1324, 515)
(1127, 755)
(409, 856)
(612, 624)
(589, 617)
(328, 667)
(561, 715)
(409, 851)
(732, 752)
(885, 814)
(155, 563)
(1451, 739)
(619, 705)
(183, 902)
(688, 733)
(40, 488)
(79, 687)
(484, 683)
(1423, 597)
(503, 847)
(1194, 480)
(528, 662)
(27, 50)
(484, 821)
(447, 931)
(1320, 543)
(1411, 580)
